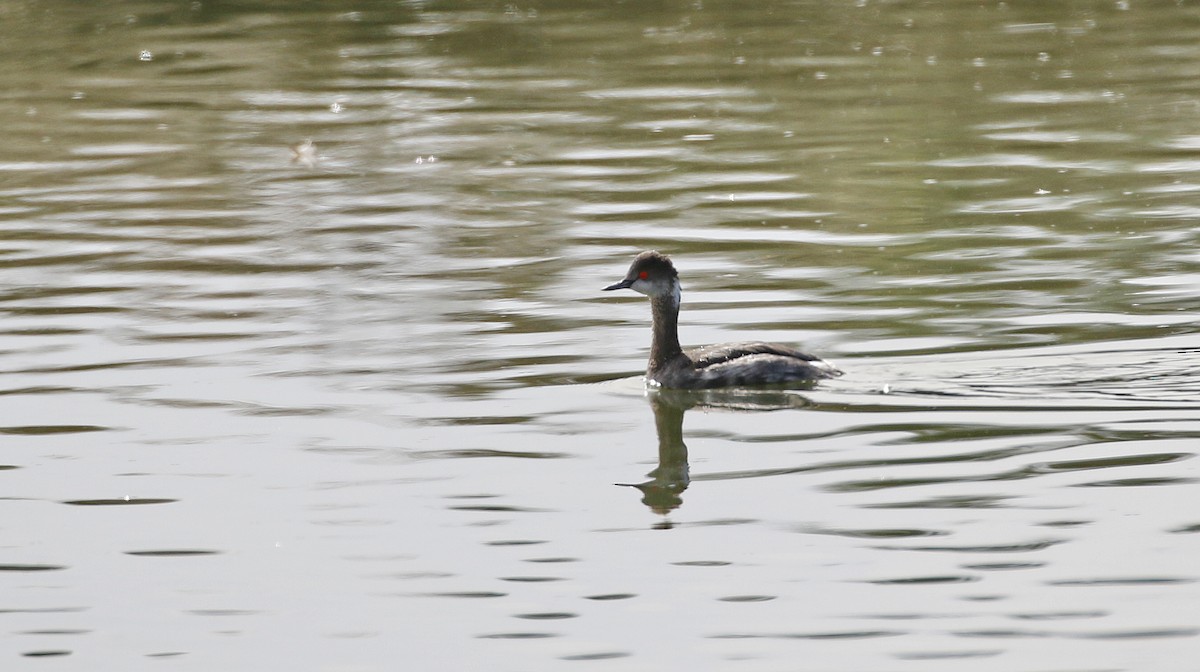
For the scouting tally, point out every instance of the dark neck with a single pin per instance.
(665, 346)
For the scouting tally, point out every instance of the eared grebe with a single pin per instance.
(728, 365)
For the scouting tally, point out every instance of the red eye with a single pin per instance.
(643, 275)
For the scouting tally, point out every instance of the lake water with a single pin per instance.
(360, 404)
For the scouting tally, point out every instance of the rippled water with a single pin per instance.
(360, 404)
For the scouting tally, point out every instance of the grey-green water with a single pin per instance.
(364, 407)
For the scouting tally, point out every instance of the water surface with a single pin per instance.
(360, 403)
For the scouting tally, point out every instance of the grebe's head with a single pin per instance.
(652, 274)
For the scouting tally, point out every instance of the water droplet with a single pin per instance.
(145, 55)
(336, 108)
(305, 153)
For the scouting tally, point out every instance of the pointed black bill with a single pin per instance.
(624, 284)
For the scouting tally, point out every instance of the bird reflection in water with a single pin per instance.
(663, 493)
